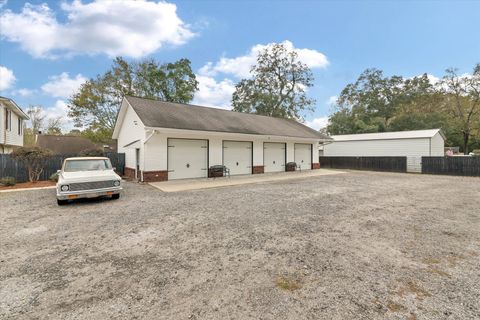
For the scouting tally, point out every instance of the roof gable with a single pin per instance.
(121, 117)
(160, 114)
(14, 107)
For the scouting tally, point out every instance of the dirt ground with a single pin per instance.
(37, 184)
(359, 245)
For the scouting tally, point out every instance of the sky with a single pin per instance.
(49, 48)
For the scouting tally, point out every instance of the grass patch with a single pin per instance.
(288, 284)
(414, 289)
(431, 261)
(439, 272)
(395, 307)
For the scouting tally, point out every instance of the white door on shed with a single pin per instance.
(237, 156)
(187, 159)
(414, 164)
(274, 157)
(303, 155)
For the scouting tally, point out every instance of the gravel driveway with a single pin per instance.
(360, 245)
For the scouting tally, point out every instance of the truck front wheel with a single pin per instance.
(62, 202)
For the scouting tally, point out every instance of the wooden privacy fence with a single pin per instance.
(457, 166)
(12, 168)
(393, 164)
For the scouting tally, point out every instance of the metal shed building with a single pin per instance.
(417, 143)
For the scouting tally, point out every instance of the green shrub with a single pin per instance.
(8, 181)
(54, 177)
(34, 158)
(92, 153)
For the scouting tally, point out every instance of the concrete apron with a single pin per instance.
(205, 183)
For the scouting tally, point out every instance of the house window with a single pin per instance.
(8, 120)
(20, 126)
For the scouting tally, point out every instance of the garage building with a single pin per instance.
(417, 143)
(167, 141)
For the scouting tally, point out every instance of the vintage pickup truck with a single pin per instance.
(87, 177)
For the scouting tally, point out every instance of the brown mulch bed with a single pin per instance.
(37, 184)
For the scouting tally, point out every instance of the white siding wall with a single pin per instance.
(155, 153)
(291, 152)
(130, 132)
(379, 148)
(156, 148)
(438, 145)
(315, 153)
(10, 137)
(215, 151)
(258, 152)
(2, 123)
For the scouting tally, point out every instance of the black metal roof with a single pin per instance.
(160, 114)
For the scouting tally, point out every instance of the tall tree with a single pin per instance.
(34, 125)
(277, 87)
(95, 105)
(377, 103)
(462, 102)
(373, 99)
(174, 82)
(54, 125)
(37, 118)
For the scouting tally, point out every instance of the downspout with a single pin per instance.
(143, 151)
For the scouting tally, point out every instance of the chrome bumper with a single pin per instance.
(71, 195)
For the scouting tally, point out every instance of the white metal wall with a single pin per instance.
(379, 148)
(438, 146)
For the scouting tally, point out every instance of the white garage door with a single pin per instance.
(274, 157)
(187, 159)
(303, 155)
(237, 156)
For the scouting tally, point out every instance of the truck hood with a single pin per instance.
(86, 176)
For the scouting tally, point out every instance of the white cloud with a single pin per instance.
(7, 78)
(332, 100)
(218, 93)
(3, 3)
(59, 109)
(62, 86)
(240, 66)
(128, 28)
(213, 93)
(317, 123)
(24, 92)
(433, 79)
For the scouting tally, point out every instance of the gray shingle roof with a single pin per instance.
(67, 144)
(160, 114)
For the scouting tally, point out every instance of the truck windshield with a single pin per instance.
(87, 165)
